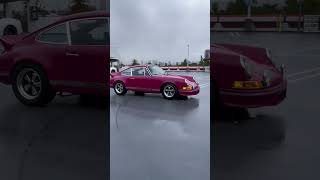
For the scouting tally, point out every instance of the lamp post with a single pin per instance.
(300, 3)
(188, 56)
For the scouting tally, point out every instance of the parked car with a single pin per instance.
(246, 77)
(10, 26)
(152, 79)
(114, 65)
(70, 55)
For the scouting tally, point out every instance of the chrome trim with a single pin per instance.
(68, 33)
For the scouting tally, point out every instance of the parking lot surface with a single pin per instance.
(65, 140)
(154, 138)
(276, 142)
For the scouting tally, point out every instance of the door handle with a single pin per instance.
(132, 78)
(71, 54)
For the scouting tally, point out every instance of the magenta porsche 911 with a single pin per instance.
(152, 79)
(69, 55)
(246, 77)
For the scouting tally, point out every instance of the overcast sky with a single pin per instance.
(159, 29)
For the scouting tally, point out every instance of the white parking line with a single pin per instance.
(303, 72)
(304, 78)
(204, 85)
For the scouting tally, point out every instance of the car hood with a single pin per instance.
(256, 54)
(181, 77)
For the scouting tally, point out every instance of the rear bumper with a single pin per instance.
(190, 93)
(257, 98)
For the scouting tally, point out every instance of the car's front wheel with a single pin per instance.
(119, 88)
(31, 86)
(169, 91)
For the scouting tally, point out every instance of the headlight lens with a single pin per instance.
(189, 86)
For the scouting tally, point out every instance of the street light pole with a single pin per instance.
(188, 56)
(300, 2)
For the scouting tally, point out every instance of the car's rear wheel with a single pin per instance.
(31, 85)
(119, 88)
(169, 91)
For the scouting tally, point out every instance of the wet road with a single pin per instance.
(65, 140)
(154, 138)
(277, 142)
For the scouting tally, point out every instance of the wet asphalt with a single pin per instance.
(154, 138)
(65, 140)
(274, 142)
(68, 139)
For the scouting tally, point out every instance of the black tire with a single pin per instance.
(173, 94)
(118, 90)
(10, 30)
(44, 96)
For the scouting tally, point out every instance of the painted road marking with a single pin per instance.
(304, 78)
(303, 72)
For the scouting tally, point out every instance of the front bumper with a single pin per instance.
(254, 98)
(193, 92)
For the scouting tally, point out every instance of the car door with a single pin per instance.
(51, 45)
(138, 81)
(88, 54)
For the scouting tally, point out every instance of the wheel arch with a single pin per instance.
(26, 62)
(165, 83)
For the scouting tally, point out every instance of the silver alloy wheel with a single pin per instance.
(119, 88)
(29, 83)
(169, 91)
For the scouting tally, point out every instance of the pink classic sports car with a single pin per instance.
(152, 79)
(246, 77)
(70, 55)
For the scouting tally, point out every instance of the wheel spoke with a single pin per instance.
(37, 84)
(34, 77)
(34, 91)
(27, 78)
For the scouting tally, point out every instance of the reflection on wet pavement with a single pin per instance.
(59, 141)
(154, 138)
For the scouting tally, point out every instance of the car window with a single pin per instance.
(89, 32)
(57, 34)
(138, 71)
(126, 72)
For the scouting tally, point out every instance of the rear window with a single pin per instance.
(55, 35)
(126, 72)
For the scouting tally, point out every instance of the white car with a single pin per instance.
(10, 26)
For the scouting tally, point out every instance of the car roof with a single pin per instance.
(83, 15)
(137, 66)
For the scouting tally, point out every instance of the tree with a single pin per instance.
(184, 62)
(311, 6)
(134, 62)
(237, 8)
(201, 63)
(80, 6)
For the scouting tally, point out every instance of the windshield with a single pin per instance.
(156, 70)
